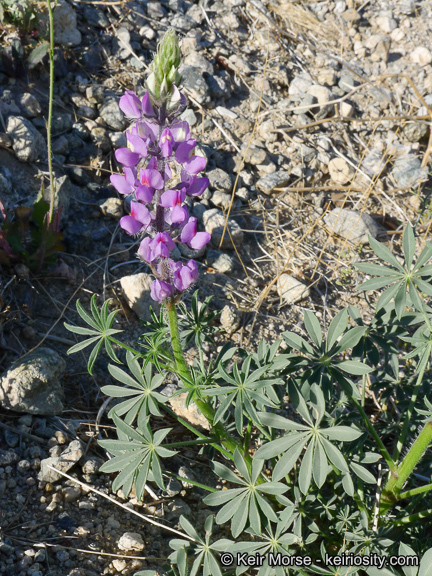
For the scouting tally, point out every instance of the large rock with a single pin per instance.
(352, 225)
(136, 292)
(214, 224)
(66, 32)
(32, 384)
(27, 143)
(67, 459)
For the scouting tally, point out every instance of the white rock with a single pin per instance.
(225, 113)
(421, 56)
(119, 565)
(291, 289)
(300, 85)
(397, 35)
(386, 24)
(346, 109)
(340, 171)
(131, 541)
(352, 225)
(230, 319)
(136, 291)
(323, 95)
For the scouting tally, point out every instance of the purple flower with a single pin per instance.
(161, 245)
(190, 236)
(146, 106)
(174, 199)
(196, 186)
(161, 290)
(130, 105)
(180, 132)
(139, 219)
(147, 129)
(126, 157)
(191, 165)
(166, 143)
(184, 275)
(137, 144)
(144, 251)
(150, 180)
(124, 184)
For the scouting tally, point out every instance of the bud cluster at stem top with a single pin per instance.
(165, 66)
(160, 149)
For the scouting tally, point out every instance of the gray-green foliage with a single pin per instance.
(304, 478)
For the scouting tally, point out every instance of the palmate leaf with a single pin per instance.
(246, 505)
(319, 443)
(142, 396)
(138, 455)
(101, 331)
(411, 277)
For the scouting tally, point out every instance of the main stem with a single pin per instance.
(230, 443)
(50, 111)
(392, 489)
(408, 415)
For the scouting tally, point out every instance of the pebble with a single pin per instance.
(32, 384)
(230, 319)
(421, 56)
(214, 224)
(118, 139)
(189, 116)
(92, 464)
(323, 95)
(113, 116)
(352, 225)
(112, 208)
(121, 45)
(66, 32)
(27, 143)
(29, 105)
(414, 131)
(136, 292)
(131, 541)
(340, 171)
(220, 261)
(300, 84)
(219, 180)
(291, 289)
(194, 81)
(347, 83)
(64, 462)
(268, 183)
(95, 17)
(199, 61)
(407, 171)
(386, 24)
(225, 113)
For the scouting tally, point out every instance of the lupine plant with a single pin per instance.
(318, 478)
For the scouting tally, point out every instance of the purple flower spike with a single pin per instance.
(166, 143)
(127, 157)
(146, 129)
(151, 178)
(161, 290)
(139, 219)
(161, 245)
(130, 105)
(190, 236)
(146, 106)
(184, 275)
